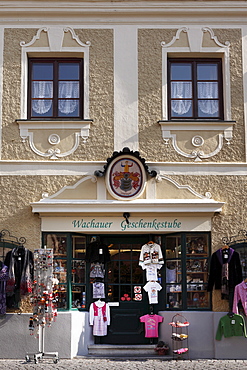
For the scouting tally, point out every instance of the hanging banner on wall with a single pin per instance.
(119, 224)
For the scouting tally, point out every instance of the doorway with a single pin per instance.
(124, 281)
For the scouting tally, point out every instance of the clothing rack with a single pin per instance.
(43, 302)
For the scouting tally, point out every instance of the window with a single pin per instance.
(195, 89)
(69, 268)
(55, 88)
(186, 271)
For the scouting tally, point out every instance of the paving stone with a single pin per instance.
(123, 364)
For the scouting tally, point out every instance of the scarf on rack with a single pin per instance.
(224, 272)
(25, 280)
(225, 281)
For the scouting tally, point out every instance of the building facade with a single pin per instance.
(125, 122)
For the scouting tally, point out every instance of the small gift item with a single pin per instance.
(162, 348)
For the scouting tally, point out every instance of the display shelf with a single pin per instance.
(180, 336)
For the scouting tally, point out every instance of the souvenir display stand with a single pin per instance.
(44, 302)
(180, 336)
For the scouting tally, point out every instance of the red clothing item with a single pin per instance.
(151, 325)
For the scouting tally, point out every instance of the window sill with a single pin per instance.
(197, 129)
(52, 131)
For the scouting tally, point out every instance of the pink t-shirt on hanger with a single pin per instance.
(151, 325)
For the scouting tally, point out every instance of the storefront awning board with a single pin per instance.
(114, 207)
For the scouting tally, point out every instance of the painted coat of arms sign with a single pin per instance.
(126, 178)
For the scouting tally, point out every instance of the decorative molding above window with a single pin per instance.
(51, 132)
(221, 130)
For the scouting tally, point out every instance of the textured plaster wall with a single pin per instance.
(152, 145)
(12, 147)
(16, 194)
(100, 143)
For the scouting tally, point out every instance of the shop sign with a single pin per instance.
(119, 224)
(125, 178)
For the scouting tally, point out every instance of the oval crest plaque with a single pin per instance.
(125, 178)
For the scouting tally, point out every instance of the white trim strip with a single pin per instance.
(39, 168)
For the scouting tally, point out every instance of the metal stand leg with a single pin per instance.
(42, 354)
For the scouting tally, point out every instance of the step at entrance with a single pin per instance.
(111, 350)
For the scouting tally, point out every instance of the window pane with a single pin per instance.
(78, 296)
(198, 299)
(42, 108)
(79, 247)
(69, 71)
(68, 89)
(181, 89)
(207, 90)
(60, 270)
(207, 71)
(198, 244)
(42, 89)
(67, 108)
(181, 71)
(181, 108)
(173, 271)
(208, 108)
(78, 273)
(62, 296)
(42, 71)
(174, 300)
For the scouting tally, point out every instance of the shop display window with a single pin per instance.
(186, 271)
(69, 269)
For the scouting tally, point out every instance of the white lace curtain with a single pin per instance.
(183, 90)
(43, 91)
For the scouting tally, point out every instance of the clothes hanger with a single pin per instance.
(150, 242)
(225, 247)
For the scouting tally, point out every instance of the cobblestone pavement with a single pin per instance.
(126, 364)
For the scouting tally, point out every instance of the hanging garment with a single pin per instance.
(97, 270)
(152, 288)
(97, 252)
(240, 295)
(3, 278)
(152, 272)
(99, 317)
(151, 253)
(20, 263)
(234, 269)
(98, 290)
(231, 325)
(151, 325)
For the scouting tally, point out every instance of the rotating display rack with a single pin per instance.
(44, 302)
(180, 335)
